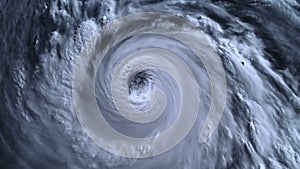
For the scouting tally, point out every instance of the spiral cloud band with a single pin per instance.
(138, 86)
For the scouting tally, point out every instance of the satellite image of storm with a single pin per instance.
(149, 84)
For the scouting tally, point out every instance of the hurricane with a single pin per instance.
(148, 77)
(143, 84)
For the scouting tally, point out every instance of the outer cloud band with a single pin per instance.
(83, 89)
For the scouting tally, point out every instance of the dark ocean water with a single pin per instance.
(257, 41)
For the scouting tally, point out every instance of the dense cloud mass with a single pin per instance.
(257, 42)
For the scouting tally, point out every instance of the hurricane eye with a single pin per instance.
(140, 88)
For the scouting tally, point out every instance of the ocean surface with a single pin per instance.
(258, 42)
